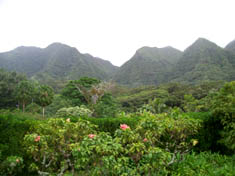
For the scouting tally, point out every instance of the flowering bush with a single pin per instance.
(58, 146)
(124, 126)
(171, 133)
(74, 112)
(49, 144)
(11, 166)
(125, 154)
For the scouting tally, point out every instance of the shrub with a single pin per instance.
(50, 143)
(172, 133)
(13, 127)
(106, 107)
(76, 111)
(126, 154)
(111, 124)
(223, 108)
(209, 135)
(33, 108)
(204, 163)
(12, 165)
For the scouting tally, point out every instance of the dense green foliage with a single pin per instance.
(59, 146)
(110, 124)
(44, 96)
(58, 102)
(13, 127)
(107, 106)
(160, 136)
(24, 93)
(148, 144)
(73, 93)
(183, 96)
(209, 135)
(205, 164)
(8, 84)
(76, 111)
(224, 110)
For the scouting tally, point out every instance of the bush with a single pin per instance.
(33, 108)
(50, 144)
(13, 165)
(106, 107)
(76, 111)
(111, 124)
(58, 103)
(126, 154)
(204, 163)
(209, 135)
(171, 132)
(13, 127)
(223, 108)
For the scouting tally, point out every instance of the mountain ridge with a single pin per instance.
(55, 62)
(203, 60)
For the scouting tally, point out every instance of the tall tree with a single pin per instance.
(44, 97)
(8, 84)
(24, 93)
(73, 92)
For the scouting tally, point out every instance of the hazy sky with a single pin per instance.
(115, 29)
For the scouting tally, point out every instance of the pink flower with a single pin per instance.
(68, 120)
(91, 136)
(37, 139)
(124, 126)
(17, 160)
(145, 140)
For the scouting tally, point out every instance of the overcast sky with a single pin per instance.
(115, 29)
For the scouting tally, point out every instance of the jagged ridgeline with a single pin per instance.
(202, 61)
(149, 65)
(57, 62)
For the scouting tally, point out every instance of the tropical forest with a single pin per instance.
(164, 112)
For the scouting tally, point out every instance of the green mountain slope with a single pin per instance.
(54, 65)
(148, 66)
(56, 62)
(23, 59)
(203, 61)
(231, 46)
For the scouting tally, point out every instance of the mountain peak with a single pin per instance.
(231, 46)
(145, 49)
(201, 43)
(57, 44)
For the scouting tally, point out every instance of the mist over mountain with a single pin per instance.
(202, 61)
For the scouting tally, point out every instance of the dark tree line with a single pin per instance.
(17, 91)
